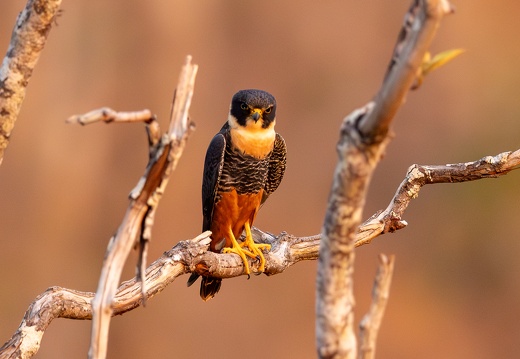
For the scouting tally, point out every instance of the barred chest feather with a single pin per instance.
(243, 172)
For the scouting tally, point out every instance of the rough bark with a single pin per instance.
(363, 138)
(287, 250)
(371, 322)
(27, 41)
(165, 152)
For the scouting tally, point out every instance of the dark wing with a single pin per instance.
(276, 167)
(212, 171)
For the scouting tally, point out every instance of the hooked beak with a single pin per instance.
(257, 113)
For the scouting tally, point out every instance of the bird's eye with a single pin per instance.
(244, 106)
(268, 110)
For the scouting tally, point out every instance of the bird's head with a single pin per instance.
(253, 110)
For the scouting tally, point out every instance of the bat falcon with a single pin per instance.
(244, 164)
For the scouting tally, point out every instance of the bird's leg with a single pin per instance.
(237, 249)
(256, 248)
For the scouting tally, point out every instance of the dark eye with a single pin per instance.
(268, 110)
(243, 106)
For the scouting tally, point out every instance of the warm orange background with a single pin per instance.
(63, 188)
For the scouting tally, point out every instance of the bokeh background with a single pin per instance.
(63, 188)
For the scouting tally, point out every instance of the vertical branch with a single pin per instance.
(177, 135)
(27, 42)
(420, 25)
(335, 301)
(363, 138)
(136, 225)
(371, 322)
(179, 121)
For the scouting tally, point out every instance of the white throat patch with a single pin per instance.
(252, 139)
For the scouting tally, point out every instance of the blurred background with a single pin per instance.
(63, 188)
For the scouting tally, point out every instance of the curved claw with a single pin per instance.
(242, 253)
(237, 249)
(255, 248)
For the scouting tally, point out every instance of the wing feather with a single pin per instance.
(277, 163)
(212, 170)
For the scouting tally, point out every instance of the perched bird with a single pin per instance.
(244, 164)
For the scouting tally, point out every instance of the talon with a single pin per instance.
(252, 250)
(255, 248)
(237, 249)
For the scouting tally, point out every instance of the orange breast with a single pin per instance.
(230, 214)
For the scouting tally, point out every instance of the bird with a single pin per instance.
(244, 164)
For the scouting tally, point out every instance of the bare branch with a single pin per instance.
(371, 322)
(144, 199)
(108, 115)
(420, 25)
(417, 176)
(363, 138)
(184, 257)
(287, 250)
(27, 41)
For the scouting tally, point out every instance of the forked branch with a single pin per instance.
(364, 135)
(287, 250)
(165, 152)
(418, 176)
(363, 139)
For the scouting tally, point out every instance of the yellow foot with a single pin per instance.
(237, 249)
(255, 248)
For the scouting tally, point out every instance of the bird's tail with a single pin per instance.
(208, 287)
(192, 279)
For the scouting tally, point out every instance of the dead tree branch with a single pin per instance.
(371, 322)
(27, 41)
(417, 176)
(287, 250)
(185, 257)
(165, 152)
(108, 115)
(363, 138)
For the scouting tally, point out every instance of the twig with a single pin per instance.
(27, 41)
(363, 138)
(108, 115)
(371, 322)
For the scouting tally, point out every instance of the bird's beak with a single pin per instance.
(257, 113)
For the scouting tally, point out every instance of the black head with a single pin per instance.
(255, 105)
